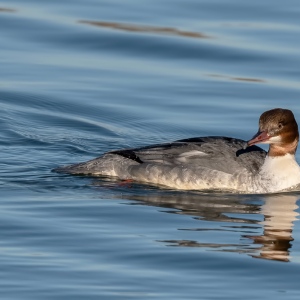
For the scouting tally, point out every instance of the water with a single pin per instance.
(79, 78)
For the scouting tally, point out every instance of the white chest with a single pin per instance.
(280, 172)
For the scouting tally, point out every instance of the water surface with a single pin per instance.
(79, 78)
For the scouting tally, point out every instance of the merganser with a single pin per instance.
(211, 163)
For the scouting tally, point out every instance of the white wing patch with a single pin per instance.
(186, 155)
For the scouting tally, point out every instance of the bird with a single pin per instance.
(212, 163)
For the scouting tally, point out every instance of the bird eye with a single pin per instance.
(280, 125)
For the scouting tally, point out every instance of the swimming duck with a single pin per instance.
(210, 163)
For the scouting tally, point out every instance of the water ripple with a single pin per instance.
(145, 29)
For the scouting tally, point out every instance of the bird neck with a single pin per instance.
(283, 149)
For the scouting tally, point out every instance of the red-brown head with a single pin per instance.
(278, 128)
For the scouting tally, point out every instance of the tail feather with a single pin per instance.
(109, 164)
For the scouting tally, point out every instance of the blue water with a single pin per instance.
(82, 77)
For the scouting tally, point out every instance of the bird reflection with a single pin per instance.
(263, 223)
(279, 214)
